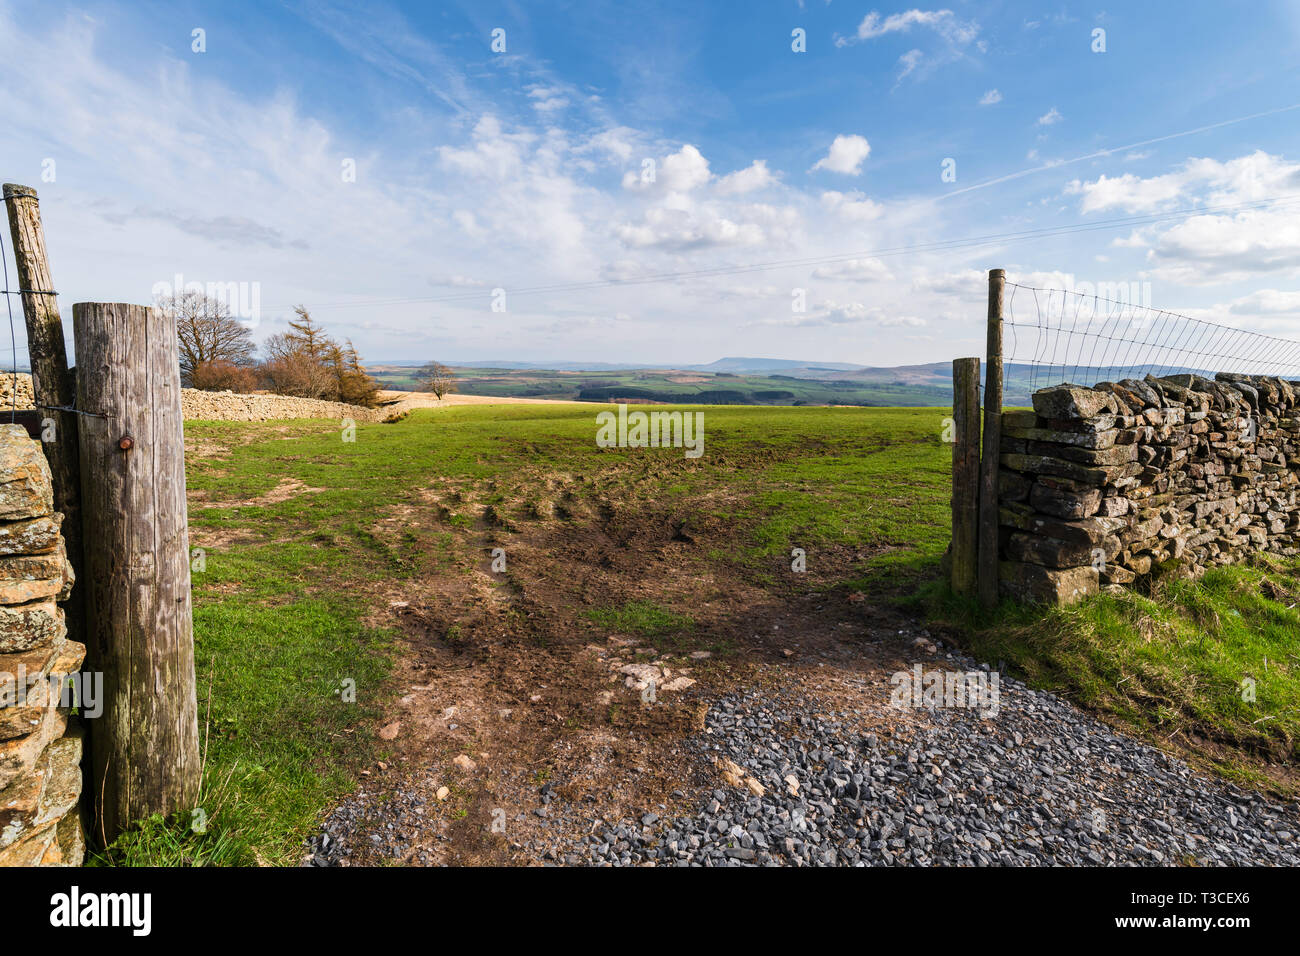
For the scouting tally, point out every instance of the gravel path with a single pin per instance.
(1040, 784)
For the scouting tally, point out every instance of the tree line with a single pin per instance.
(217, 353)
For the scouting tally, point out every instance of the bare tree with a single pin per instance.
(206, 332)
(220, 376)
(290, 370)
(436, 378)
(307, 363)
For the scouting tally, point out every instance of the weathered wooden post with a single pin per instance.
(965, 474)
(137, 580)
(988, 522)
(52, 381)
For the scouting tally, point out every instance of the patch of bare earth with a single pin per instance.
(285, 489)
(519, 721)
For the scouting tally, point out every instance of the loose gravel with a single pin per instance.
(1039, 784)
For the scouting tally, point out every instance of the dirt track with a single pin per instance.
(522, 730)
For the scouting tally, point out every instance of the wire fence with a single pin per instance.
(1058, 336)
(13, 341)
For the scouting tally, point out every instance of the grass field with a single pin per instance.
(706, 388)
(302, 533)
(307, 538)
(923, 385)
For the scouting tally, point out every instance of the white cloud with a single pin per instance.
(547, 99)
(854, 313)
(678, 172)
(1127, 192)
(943, 22)
(907, 64)
(619, 142)
(1208, 250)
(504, 197)
(991, 97)
(1267, 302)
(752, 177)
(855, 270)
(1252, 177)
(494, 154)
(846, 155)
(1050, 118)
(457, 281)
(851, 207)
(682, 231)
(1269, 311)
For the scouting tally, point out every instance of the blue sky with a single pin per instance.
(479, 170)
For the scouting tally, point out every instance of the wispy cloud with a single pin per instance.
(943, 22)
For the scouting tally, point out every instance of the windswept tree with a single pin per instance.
(308, 337)
(206, 332)
(305, 362)
(352, 383)
(437, 378)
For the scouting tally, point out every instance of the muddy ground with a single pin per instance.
(514, 717)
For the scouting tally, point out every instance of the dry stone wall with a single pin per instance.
(40, 753)
(19, 385)
(218, 406)
(234, 407)
(1106, 485)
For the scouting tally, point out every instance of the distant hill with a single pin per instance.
(750, 381)
(768, 365)
(504, 364)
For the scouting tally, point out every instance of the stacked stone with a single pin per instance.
(227, 406)
(40, 773)
(1105, 485)
(198, 405)
(15, 390)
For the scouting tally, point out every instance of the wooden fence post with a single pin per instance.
(52, 380)
(988, 521)
(137, 582)
(965, 474)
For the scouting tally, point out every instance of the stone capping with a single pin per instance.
(1099, 487)
(40, 745)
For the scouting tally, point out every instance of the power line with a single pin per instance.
(1113, 149)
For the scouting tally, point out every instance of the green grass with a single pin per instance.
(640, 617)
(1178, 663)
(279, 605)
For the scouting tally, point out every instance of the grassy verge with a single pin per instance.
(1210, 667)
